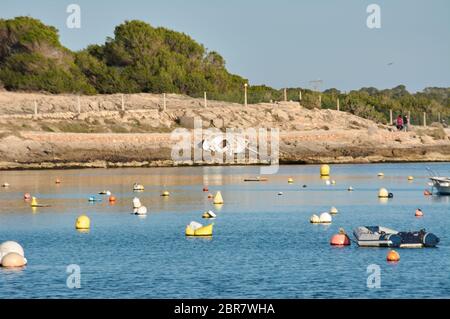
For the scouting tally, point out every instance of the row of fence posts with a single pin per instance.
(424, 118)
(205, 105)
(122, 104)
(205, 101)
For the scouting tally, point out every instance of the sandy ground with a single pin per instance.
(105, 136)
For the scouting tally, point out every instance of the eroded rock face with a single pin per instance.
(140, 136)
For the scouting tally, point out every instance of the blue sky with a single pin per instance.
(283, 43)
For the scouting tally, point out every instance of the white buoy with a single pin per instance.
(325, 218)
(314, 219)
(13, 260)
(209, 215)
(383, 193)
(136, 202)
(12, 254)
(138, 187)
(11, 247)
(142, 210)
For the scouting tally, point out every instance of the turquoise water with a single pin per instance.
(263, 244)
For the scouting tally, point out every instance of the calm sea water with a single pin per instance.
(263, 244)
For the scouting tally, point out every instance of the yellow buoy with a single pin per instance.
(383, 193)
(380, 174)
(165, 194)
(325, 170)
(410, 178)
(13, 260)
(290, 181)
(83, 222)
(196, 229)
(205, 231)
(34, 202)
(189, 231)
(218, 200)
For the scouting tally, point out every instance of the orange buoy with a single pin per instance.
(205, 189)
(27, 196)
(57, 181)
(340, 240)
(112, 199)
(210, 196)
(419, 212)
(393, 256)
(427, 193)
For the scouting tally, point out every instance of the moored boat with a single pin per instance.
(378, 236)
(256, 179)
(441, 184)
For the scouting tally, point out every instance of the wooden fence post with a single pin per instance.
(245, 94)
(164, 102)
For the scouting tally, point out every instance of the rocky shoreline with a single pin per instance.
(70, 150)
(107, 137)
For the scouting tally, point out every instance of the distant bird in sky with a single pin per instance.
(390, 63)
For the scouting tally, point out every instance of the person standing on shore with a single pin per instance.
(399, 122)
(405, 123)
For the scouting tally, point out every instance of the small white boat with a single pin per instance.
(376, 236)
(441, 184)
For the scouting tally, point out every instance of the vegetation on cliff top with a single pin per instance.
(141, 58)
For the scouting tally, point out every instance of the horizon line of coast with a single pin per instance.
(106, 165)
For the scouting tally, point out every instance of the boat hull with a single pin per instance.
(376, 236)
(441, 184)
